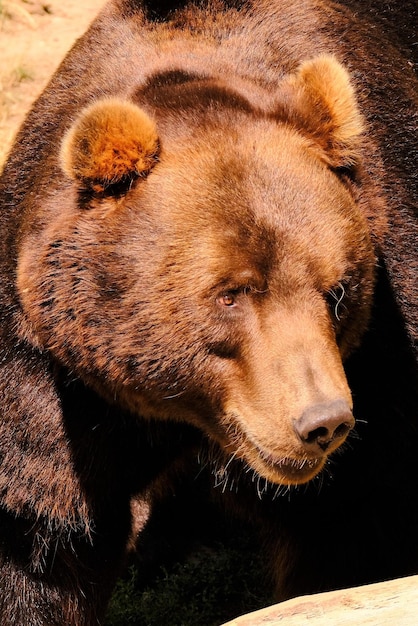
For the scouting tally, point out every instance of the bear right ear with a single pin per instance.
(111, 141)
(319, 100)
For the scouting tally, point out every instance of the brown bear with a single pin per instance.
(206, 214)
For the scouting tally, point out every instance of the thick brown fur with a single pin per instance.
(209, 248)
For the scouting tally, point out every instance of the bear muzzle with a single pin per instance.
(302, 450)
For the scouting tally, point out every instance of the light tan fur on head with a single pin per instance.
(323, 103)
(110, 140)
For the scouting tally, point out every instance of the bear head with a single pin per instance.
(206, 259)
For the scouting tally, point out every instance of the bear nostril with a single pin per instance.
(324, 424)
(343, 429)
(317, 434)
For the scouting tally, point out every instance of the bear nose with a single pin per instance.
(324, 425)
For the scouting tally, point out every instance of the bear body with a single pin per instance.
(209, 243)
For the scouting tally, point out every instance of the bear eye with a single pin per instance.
(226, 299)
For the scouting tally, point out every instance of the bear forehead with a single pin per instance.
(233, 198)
(253, 165)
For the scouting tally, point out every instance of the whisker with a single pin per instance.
(174, 395)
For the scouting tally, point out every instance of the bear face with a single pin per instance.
(212, 264)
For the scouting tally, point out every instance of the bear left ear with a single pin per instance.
(111, 141)
(320, 101)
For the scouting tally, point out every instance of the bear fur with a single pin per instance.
(209, 250)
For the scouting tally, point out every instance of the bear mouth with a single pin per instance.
(277, 469)
(286, 470)
(298, 470)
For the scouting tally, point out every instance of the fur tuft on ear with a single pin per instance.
(110, 141)
(320, 101)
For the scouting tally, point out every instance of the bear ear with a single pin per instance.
(111, 141)
(320, 101)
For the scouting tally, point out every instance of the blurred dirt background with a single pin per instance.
(34, 37)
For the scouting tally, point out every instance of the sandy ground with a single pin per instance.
(34, 37)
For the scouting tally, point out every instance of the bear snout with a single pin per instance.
(323, 427)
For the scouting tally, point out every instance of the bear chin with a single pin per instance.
(289, 471)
